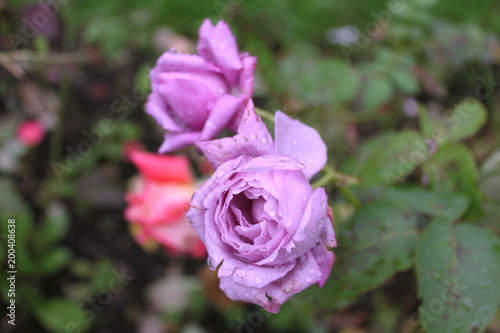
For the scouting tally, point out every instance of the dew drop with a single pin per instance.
(253, 136)
(263, 140)
(279, 269)
(308, 279)
(272, 213)
(258, 280)
(312, 271)
(295, 143)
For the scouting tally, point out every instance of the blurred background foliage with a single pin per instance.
(409, 106)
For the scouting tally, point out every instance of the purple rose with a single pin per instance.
(259, 217)
(195, 97)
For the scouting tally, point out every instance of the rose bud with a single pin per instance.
(195, 96)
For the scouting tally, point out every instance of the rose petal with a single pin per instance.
(158, 109)
(301, 142)
(246, 79)
(176, 62)
(218, 46)
(174, 141)
(162, 168)
(222, 112)
(190, 98)
(202, 219)
(325, 259)
(179, 237)
(274, 294)
(253, 139)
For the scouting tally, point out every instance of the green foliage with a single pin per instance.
(319, 82)
(449, 206)
(59, 315)
(453, 169)
(388, 158)
(458, 269)
(378, 241)
(463, 122)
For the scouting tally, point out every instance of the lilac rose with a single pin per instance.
(195, 96)
(263, 224)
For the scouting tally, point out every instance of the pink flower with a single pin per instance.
(31, 133)
(259, 217)
(195, 97)
(158, 201)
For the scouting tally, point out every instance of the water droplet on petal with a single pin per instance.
(272, 213)
(312, 271)
(308, 279)
(279, 269)
(295, 143)
(253, 136)
(258, 279)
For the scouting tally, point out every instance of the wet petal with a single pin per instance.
(176, 62)
(174, 141)
(222, 112)
(218, 45)
(301, 142)
(158, 109)
(253, 139)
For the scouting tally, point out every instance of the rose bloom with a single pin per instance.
(259, 217)
(157, 203)
(195, 96)
(31, 132)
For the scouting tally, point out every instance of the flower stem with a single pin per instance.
(341, 180)
(264, 114)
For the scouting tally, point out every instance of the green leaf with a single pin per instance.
(377, 91)
(404, 81)
(53, 261)
(378, 241)
(490, 176)
(60, 315)
(458, 270)
(55, 224)
(452, 169)
(388, 158)
(449, 206)
(319, 81)
(463, 122)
